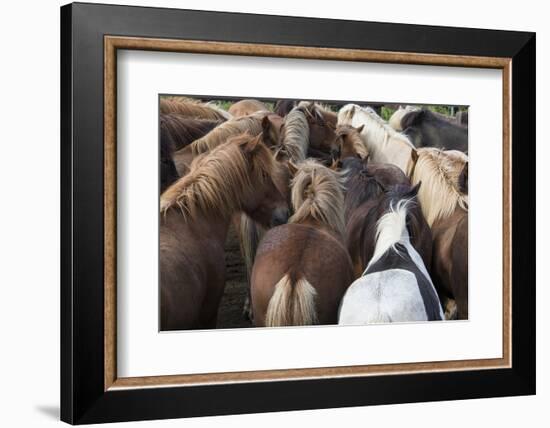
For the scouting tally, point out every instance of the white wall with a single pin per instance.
(29, 218)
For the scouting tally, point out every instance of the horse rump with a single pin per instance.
(292, 303)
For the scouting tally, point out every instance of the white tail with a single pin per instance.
(292, 304)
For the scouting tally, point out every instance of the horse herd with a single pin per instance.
(342, 217)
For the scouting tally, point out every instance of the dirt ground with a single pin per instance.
(230, 314)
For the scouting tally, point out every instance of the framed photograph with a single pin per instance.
(267, 213)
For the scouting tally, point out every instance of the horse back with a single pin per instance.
(302, 252)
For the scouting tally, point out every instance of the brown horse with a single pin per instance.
(168, 171)
(184, 130)
(240, 175)
(268, 124)
(305, 133)
(366, 189)
(246, 107)
(444, 200)
(302, 269)
(192, 108)
(349, 142)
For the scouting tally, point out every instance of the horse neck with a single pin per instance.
(204, 225)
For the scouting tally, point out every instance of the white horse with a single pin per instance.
(396, 286)
(384, 144)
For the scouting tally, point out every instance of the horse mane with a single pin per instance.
(249, 124)
(317, 194)
(440, 193)
(323, 109)
(376, 133)
(217, 180)
(295, 136)
(193, 108)
(360, 185)
(355, 137)
(391, 227)
(184, 130)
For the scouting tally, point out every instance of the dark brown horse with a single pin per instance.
(305, 133)
(427, 129)
(444, 199)
(366, 189)
(302, 269)
(168, 171)
(184, 130)
(240, 175)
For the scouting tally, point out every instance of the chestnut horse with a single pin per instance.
(302, 269)
(240, 175)
(305, 133)
(246, 107)
(184, 130)
(444, 200)
(349, 143)
(396, 286)
(254, 124)
(366, 188)
(189, 107)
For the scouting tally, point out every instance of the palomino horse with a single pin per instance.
(240, 175)
(246, 107)
(384, 144)
(305, 133)
(192, 108)
(444, 200)
(366, 189)
(395, 286)
(302, 269)
(255, 124)
(184, 130)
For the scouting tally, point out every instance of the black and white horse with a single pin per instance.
(395, 286)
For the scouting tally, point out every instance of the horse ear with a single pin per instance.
(359, 129)
(292, 168)
(414, 190)
(414, 155)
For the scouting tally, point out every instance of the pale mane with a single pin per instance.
(383, 142)
(439, 172)
(317, 194)
(219, 180)
(221, 133)
(295, 137)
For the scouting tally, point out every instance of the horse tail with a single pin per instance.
(292, 304)
(250, 235)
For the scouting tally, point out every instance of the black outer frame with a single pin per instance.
(83, 399)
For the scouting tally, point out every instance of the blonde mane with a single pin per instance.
(295, 136)
(397, 116)
(220, 134)
(220, 180)
(317, 194)
(439, 172)
(384, 144)
(192, 108)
